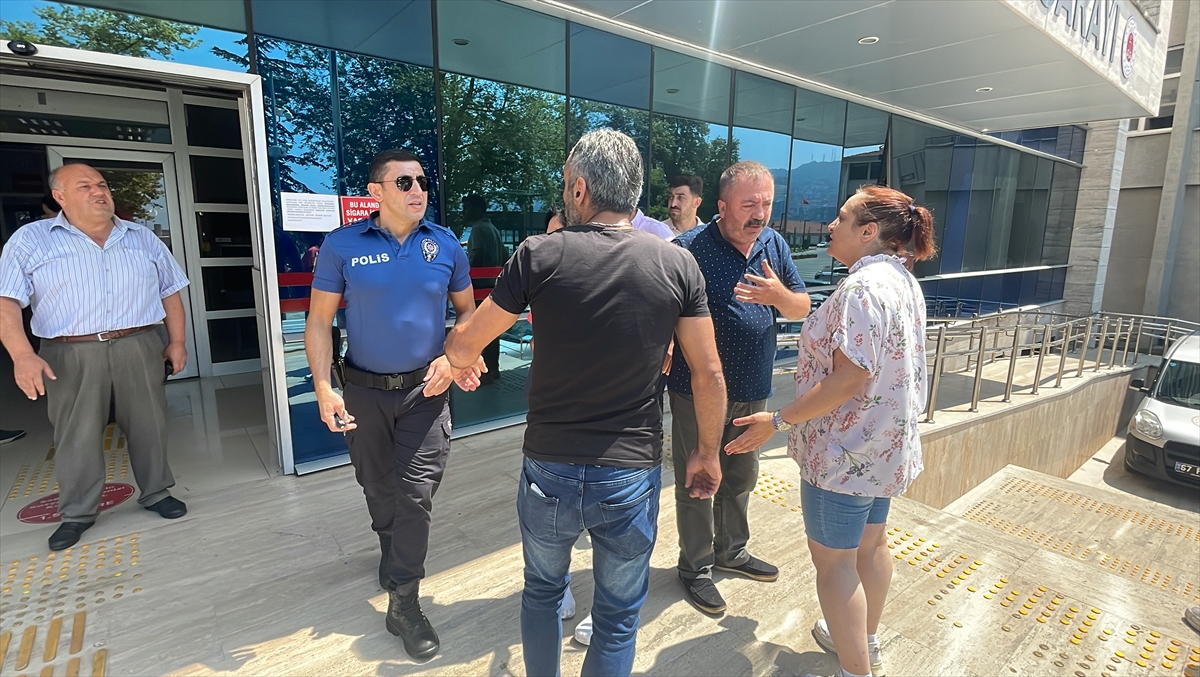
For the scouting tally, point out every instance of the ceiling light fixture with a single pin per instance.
(982, 90)
(869, 40)
(461, 42)
(672, 90)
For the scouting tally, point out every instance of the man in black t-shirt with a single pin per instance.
(608, 299)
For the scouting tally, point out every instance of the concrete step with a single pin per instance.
(1145, 541)
(989, 599)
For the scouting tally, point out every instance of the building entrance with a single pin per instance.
(174, 163)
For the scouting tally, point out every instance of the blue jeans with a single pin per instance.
(838, 521)
(619, 508)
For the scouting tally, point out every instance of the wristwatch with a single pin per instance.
(780, 424)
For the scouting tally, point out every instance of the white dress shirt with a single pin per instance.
(77, 287)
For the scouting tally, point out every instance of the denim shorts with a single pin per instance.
(837, 520)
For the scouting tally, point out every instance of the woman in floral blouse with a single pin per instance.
(860, 386)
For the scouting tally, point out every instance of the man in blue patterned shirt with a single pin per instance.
(99, 287)
(750, 281)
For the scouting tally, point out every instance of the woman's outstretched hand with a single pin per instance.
(759, 431)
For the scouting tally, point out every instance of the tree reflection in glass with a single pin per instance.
(587, 116)
(683, 146)
(385, 104)
(506, 144)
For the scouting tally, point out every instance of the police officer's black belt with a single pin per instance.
(385, 381)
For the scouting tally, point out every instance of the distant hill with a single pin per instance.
(817, 182)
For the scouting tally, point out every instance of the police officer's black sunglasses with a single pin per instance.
(405, 183)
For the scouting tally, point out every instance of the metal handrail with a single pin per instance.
(1011, 333)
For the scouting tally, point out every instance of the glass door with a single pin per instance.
(144, 192)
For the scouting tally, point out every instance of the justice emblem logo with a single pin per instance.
(429, 249)
(1127, 45)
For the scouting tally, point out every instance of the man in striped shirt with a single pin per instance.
(99, 287)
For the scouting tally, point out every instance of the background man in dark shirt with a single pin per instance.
(739, 255)
(485, 249)
(608, 299)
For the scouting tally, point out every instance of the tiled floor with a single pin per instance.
(217, 437)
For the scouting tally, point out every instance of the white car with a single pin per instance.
(1164, 435)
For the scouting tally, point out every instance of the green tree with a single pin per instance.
(100, 30)
(384, 104)
(505, 143)
(682, 146)
(299, 99)
(134, 192)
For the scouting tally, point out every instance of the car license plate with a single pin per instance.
(1187, 469)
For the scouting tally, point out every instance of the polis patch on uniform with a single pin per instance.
(368, 260)
(429, 249)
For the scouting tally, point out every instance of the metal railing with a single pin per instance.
(1060, 342)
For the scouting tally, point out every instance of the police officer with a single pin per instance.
(395, 270)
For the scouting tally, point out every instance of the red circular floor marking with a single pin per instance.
(45, 509)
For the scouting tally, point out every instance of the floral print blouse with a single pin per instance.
(870, 445)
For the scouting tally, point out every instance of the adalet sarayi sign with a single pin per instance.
(1105, 25)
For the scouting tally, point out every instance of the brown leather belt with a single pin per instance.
(102, 336)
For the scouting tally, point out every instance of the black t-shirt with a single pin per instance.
(605, 302)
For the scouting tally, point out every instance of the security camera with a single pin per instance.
(22, 48)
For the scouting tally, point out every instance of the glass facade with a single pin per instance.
(492, 96)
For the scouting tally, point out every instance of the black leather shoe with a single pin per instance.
(406, 620)
(169, 507)
(703, 593)
(754, 569)
(67, 534)
(385, 549)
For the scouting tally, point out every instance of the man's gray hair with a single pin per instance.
(611, 165)
(747, 170)
(55, 184)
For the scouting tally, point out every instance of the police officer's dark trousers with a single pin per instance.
(399, 452)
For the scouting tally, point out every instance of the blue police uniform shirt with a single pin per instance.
(745, 331)
(396, 294)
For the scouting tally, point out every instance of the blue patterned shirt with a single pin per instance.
(77, 287)
(745, 331)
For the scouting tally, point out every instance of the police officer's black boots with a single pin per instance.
(385, 547)
(406, 620)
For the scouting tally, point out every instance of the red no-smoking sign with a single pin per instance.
(45, 509)
(357, 208)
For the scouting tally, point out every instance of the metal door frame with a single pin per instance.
(249, 90)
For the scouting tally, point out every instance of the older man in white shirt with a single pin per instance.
(99, 286)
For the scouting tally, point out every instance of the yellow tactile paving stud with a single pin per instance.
(46, 599)
(1101, 507)
(777, 491)
(37, 480)
(1140, 572)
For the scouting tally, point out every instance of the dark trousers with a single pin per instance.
(491, 358)
(129, 372)
(399, 452)
(491, 355)
(713, 530)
